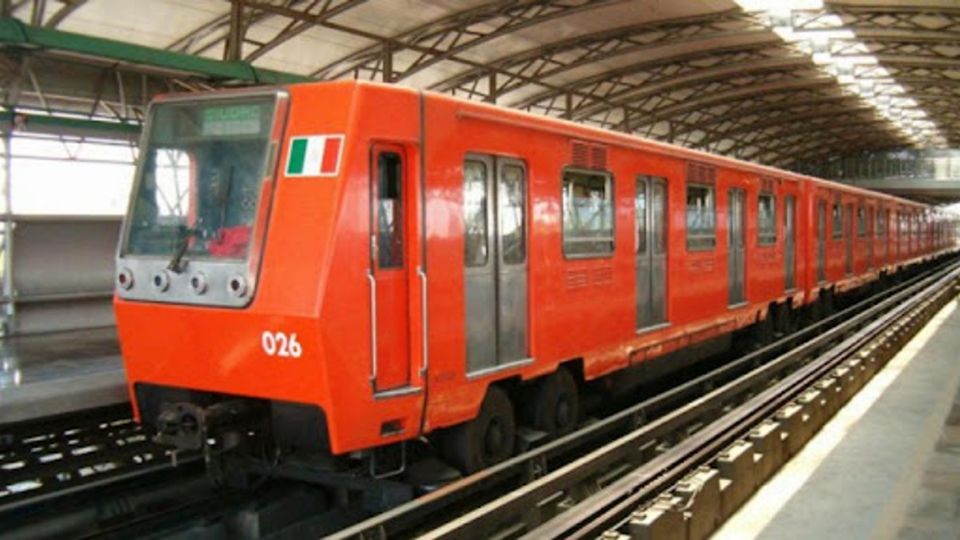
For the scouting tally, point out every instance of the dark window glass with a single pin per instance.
(475, 213)
(201, 177)
(513, 207)
(587, 213)
(861, 222)
(701, 217)
(882, 217)
(389, 210)
(767, 219)
(640, 205)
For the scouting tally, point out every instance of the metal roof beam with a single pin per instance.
(443, 39)
(59, 125)
(14, 33)
(69, 6)
(648, 78)
(557, 57)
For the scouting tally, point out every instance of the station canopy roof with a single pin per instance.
(771, 81)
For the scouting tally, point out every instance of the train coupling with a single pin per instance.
(222, 426)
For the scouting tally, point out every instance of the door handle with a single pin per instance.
(373, 328)
(425, 364)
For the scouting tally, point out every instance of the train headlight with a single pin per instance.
(198, 282)
(237, 286)
(125, 278)
(161, 281)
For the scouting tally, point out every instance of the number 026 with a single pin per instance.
(281, 344)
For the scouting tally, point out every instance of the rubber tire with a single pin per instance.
(468, 447)
(556, 406)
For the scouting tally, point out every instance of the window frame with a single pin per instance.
(487, 165)
(611, 198)
(836, 220)
(765, 236)
(398, 256)
(502, 164)
(691, 241)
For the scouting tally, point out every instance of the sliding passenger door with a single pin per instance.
(495, 261)
(736, 224)
(651, 251)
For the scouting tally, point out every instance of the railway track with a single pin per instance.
(47, 467)
(553, 490)
(545, 493)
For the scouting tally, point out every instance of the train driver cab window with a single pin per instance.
(766, 219)
(861, 222)
(701, 217)
(587, 213)
(837, 220)
(389, 210)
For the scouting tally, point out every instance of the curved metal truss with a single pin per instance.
(719, 80)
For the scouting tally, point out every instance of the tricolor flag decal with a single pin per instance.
(314, 155)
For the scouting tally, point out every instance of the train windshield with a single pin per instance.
(201, 179)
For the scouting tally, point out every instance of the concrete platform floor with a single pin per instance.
(46, 374)
(886, 466)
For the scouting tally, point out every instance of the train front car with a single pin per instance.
(244, 273)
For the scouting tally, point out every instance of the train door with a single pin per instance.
(848, 239)
(789, 242)
(736, 256)
(651, 251)
(870, 234)
(393, 212)
(495, 260)
(821, 241)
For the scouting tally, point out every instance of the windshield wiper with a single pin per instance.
(175, 264)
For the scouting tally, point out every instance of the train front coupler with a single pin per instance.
(219, 428)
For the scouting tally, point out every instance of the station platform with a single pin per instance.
(886, 466)
(53, 373)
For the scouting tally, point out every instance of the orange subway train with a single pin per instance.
(342, 268)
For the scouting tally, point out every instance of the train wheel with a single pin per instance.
(556, 406)
(487, 439)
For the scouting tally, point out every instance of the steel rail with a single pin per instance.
(619, 499)
(525, 478)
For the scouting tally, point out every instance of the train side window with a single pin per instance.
(766, 219)
(389, 210)
(475, 239)
(701, 217)
(587, 213)
(882, 217)
(513, 207)
(861, 222)
(837, 220)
